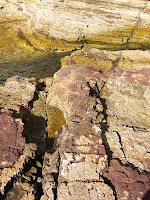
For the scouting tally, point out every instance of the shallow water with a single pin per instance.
(39, 67)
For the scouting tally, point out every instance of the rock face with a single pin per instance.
(100, 116)
(10, 149)
(104, 145)
(81, 153)
(102, 59)
(128, 183)
(127, 97)
(14, 151)
(18, 91)
(51, 25)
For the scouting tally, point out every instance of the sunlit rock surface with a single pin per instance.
(18, 91)
(127, 95)
(51, 25)
(102, 59)
(81, 152)
(100, 119)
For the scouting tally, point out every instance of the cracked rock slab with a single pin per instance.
(128, 108)
(83, 190)
(128, 182)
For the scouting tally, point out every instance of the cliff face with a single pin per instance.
(48, 25)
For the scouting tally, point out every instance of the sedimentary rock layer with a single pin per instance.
(50, 25)
(103, 60)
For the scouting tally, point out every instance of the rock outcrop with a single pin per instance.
(104, 145)
(14, 150)
(127, 98)
(81, 154)
(10, 127)
(94, 123)
(52, 25)
(103, 60)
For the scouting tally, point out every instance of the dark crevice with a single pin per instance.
(56, 176)
(109, 183)
(38, 192)
(95, 92)
(146, 195)
(120, 141)
(39, 87)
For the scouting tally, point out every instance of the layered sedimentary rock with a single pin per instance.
(103, 60)
(50, 25)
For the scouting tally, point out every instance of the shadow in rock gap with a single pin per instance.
(34, 129)
(146, 195)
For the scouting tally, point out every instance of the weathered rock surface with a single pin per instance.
(127, 95)
(102, 59)
(14, 151)
(18, 91)
(105, 142)
(129, 184)
(10, 127)
(50, 25)
(81, 153)
(101, 124)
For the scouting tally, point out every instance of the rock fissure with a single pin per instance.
(136, 25)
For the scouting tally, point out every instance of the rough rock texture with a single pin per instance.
(18, 91)
(50, 25)
(10, 127)
(104, 145)
(127, 96)
(81, 153)
(102, 59)
(14, 151)
(129, 183)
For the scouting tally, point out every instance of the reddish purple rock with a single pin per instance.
(128, 182)
(11, 139)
